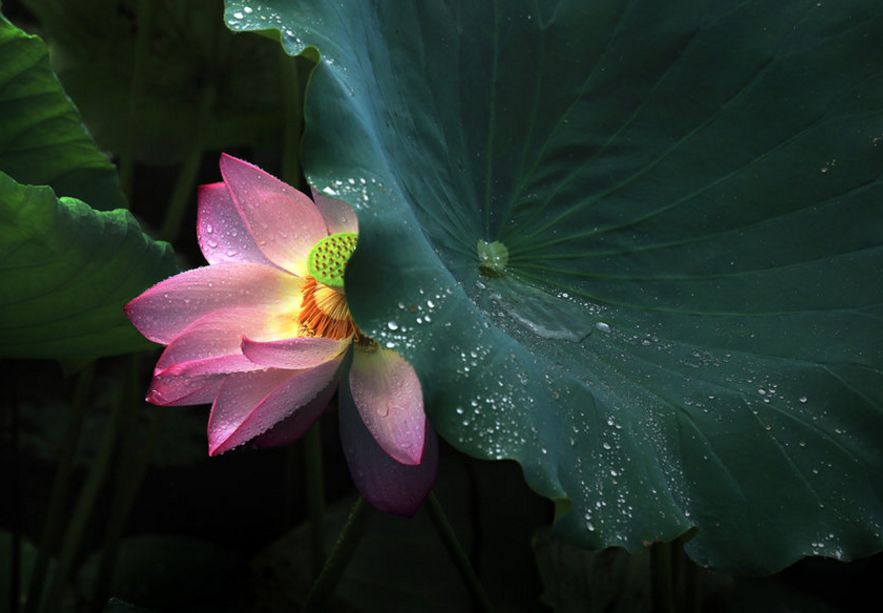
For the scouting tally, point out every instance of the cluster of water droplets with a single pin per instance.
(411, 315)
(243, 17)
(358, 191)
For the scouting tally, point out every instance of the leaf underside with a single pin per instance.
(687, 330)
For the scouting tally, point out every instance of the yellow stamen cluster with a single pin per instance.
(324, 312)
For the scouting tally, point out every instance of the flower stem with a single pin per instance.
(458, 555)
(124, 498)
(692, 589)
(130, 475)
(291, 471)
(661, 578)
(145, 16)
(292, 118)
(55, 515)
(85, 503)
(688, 587)
(315, 497)
(14, 420)
(183, 190)
(343, 551)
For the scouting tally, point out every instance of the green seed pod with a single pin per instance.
(328, 257)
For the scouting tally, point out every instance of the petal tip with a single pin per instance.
(156, 398)
(410, 455)
(218, 445)
(129, 308)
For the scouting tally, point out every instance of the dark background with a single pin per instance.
(227, 533)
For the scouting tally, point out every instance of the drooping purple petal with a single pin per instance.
(389, 398)
(220, 230)
(385, 483)
(249, 404)
(284, 223)
(162, 312)
(296, 425)
(338, 215)
(294, 353)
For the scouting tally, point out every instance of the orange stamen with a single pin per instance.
(324, 312)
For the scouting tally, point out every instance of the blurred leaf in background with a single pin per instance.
(42, 141)
(66, 267)
(94, 51)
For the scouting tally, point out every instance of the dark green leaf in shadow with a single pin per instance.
(399, 565)
(66, 271)
(576, 580)
(28, 556)
(42, 141)
(94, 53)
(115, 605)
(177, 573)
(767, 596)
(686, 330)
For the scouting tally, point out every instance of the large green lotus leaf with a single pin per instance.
(42, 141)
(66, 270)
(687, 331)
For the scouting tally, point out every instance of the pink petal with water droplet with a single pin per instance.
(178, 389)
(338, 215)
(187, 371)
(216, 335)
(387, 393)
(162, 312)
(220, 230)
(301, 352)
(249, 404)
(385, 483)
(296, 425)
(284, 223)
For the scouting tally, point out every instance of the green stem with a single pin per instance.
(83, 510)
(145, 13)
(661, 578)
(12, 407)
(182, 194)
(291, 471)
(292, 118)
(458, 555)
(343, 551)
(55, 516)
(129, 481)
(133, 464)
(692, 586)
(678, 569)
(315, 497)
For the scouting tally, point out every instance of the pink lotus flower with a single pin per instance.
(264, 333)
